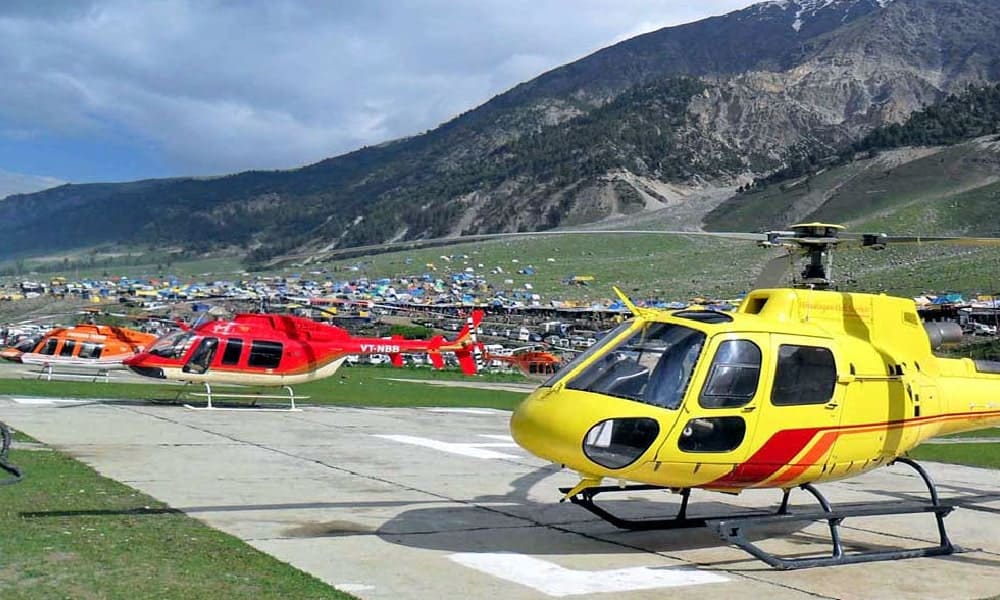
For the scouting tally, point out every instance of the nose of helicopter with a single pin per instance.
(589, 433)
(136, 364)
(11, 354)
(537, 427)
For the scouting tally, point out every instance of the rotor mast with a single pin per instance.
(815, 241)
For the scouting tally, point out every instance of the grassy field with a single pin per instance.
(974, 455)
(669, 267)
(654, 265)
(148, 264)
(681, 268)
(69, 533)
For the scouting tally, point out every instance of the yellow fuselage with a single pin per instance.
(886, 393)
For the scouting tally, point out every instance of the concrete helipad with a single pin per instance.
(440, 504)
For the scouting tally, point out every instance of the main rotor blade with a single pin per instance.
(881, 238)
(774, 271)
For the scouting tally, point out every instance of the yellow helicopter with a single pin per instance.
(798, 386)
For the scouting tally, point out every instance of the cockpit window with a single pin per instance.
(599, 346)
(653, 366)
(48, 347)
(733, 376)
(173, 346)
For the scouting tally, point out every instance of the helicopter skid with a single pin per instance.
(733, 528)
(208, 394)
(733, 531)
(585, 499)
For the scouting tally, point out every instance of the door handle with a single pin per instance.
(832, 406)
(749, 409)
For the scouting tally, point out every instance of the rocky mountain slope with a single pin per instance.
(634, 127)
(937, 172)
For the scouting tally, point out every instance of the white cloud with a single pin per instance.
(224, 86)
(19, 183)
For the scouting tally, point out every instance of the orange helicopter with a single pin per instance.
(530, 360)
(85, 345)
(798, 386)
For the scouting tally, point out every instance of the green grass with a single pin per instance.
(973, 455)
(352, 386)
(654, 265)
(910, 270)
(150, 264)
(950, 192)
(69, 533)
(879, 189)
(981, 433)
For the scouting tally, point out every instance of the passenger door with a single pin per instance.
(801, 416)
(717, 421)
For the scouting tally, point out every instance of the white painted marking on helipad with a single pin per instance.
(554, 580)
(466, 411)
(470, 450)
(502, 438)
(353, 588)
(48, 401)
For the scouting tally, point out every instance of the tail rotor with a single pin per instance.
(467, 347)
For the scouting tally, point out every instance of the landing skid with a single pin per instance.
(585, 499)
(732, 528)
(208, 394)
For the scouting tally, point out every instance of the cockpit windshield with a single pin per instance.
(173, 346)
(653, 366)
(597, 348)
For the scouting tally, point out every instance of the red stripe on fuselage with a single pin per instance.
(783, 446)
(810, 459)
(775, 454)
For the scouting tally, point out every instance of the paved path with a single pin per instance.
(439, 504)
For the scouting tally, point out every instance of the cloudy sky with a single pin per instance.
(115, 90)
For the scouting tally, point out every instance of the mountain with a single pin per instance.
(641, 125)
(939, 171)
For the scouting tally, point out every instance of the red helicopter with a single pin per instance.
(282, 350)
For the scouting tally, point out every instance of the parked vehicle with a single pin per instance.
(983, 329)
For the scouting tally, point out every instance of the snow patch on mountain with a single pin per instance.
(806, 9)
